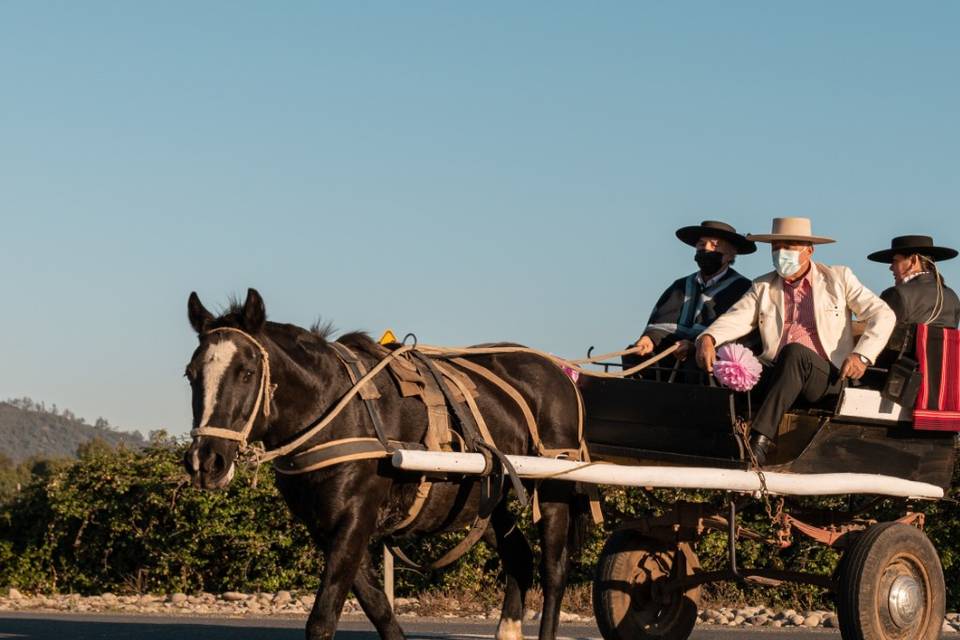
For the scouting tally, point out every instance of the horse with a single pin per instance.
(348, 506)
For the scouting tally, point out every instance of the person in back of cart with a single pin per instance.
(694, 301)
(803, 310)
(919, 294)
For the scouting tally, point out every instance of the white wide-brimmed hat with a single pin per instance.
(790, 229)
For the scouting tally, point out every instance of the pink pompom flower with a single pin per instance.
(573, 374)
(736, 367)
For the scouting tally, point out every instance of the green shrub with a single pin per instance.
(120, 520)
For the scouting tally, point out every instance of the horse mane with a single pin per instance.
(324, 330)
(319, 334)
(361, 341)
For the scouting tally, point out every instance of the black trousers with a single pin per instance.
(798, 372)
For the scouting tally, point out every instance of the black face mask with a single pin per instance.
(709, 261)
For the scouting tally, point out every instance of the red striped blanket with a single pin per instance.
(938, 355)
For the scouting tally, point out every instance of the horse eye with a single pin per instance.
(247, 374)
(188, 374)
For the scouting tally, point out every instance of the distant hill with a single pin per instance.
(30, 429)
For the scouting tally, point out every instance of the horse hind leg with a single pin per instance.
(557, 538)
(373, 600)
(517, 560)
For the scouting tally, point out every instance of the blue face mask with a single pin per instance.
(786, 262)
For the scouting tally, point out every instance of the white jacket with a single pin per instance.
(836, 295)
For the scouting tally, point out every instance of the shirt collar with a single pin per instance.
(712, 280)
(914, 275)
(807, 277)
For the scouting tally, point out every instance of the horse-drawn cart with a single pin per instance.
(645, 433)
(386, 442)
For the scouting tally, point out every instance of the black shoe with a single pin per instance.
(761, 446)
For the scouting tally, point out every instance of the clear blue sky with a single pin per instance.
(466, 171)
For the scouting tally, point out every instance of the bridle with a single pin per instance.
(263, 399)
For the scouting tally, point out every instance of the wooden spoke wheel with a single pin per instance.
(891, 586)
(628, 599)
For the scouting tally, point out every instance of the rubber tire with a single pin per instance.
(886, 548)
(629, 613)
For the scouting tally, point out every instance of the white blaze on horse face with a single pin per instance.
(215, 363)
(230, 473)
(196, 459)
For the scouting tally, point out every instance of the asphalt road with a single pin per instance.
(48, 626)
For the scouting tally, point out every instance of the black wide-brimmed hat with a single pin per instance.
(714, 229)
(909, 245)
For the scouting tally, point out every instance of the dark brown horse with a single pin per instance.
(348, 506)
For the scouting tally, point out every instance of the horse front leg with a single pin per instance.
(343, 556)
(373, 600)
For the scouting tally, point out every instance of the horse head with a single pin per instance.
(229, 376)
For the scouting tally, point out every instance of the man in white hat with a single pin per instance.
(803, 311)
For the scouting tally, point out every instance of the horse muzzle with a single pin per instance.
(211, 462)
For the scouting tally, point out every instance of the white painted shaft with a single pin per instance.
(797, 484)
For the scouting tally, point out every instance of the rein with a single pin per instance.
(264, 397)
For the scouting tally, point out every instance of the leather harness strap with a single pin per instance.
(458, 380)
(368, 393)
(469, 427)
(511, 392)
(332, 453)
(473, 536)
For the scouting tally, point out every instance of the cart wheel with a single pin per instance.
(891, 586)
(627, 601)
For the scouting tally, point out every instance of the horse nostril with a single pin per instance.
(215, 464)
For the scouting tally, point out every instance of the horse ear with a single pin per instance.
(198, 314)
(254, 312)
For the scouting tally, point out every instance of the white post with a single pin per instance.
(388, 574)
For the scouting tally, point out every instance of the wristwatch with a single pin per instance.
(864, 359)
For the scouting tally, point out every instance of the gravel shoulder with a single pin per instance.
(285, 607)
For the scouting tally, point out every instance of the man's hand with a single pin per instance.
(706, 353)
(853, 367)
(644, 346)
(684, 348)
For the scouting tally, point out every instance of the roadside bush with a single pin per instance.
(126, 521)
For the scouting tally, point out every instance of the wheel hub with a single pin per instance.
(906, 601)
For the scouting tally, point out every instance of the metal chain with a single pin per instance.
(777, 520)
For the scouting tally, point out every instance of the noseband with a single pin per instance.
(263, 400)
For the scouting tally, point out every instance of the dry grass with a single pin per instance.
(463, 603)
(577, 599)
